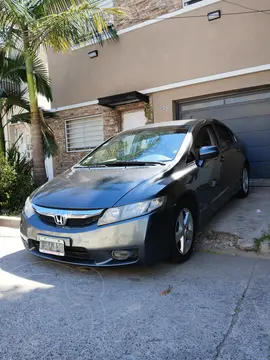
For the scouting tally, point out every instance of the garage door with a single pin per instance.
(248, 116)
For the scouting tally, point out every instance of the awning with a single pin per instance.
(121, 99)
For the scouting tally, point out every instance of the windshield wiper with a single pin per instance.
(91, 166)
(132, 163)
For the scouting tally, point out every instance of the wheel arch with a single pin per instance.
(246, 163)
(190, 195)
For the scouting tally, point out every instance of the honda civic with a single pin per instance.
(140, 197)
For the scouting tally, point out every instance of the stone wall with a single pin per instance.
(112, 120)
(141, 10)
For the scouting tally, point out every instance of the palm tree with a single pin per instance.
(56, 24)
(14, 104)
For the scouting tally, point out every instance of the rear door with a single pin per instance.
(231, 159)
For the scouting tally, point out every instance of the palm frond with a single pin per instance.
(25, 117)
(41, 7)
(49, 142)
(13, 69)
(83, 22)
(10, 68)
(15, 100)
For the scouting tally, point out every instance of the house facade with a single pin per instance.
(174, 60)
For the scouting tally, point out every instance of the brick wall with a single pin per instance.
(112, 120)
(140, 10)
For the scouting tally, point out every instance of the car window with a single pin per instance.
(204, 137)
(225, 137)
(157, 144)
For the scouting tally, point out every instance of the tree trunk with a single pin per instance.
(2, 139)
(2, 134)
(36, 137)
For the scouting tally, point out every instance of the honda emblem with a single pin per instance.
(60, 220)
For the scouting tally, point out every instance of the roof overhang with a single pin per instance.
(122, 99)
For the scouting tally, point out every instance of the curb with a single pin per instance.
(10, 221)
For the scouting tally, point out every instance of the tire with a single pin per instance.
(244, 191)
(184, 231)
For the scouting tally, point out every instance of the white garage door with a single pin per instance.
(133, 119)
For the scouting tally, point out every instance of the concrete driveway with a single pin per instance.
(246, 218)
(212, 307)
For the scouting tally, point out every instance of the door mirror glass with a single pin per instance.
(208, 152)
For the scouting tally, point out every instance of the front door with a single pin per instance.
(133, 119)
(209, 187)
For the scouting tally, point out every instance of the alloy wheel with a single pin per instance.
(184, 231)
(245, 180)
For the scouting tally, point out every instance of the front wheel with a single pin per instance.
(184, 233)
(244, 191)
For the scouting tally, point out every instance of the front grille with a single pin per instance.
(72, 252)
(70, 222)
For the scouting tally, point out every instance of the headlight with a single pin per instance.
(130, 211)
(28, 208)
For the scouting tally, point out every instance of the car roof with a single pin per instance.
(186, 124)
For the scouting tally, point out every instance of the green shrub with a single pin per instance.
(7, 178)
(17, 183)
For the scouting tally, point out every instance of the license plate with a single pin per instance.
(50, 245)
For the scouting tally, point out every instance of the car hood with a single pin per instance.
(95, 188)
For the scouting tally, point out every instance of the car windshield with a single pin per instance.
(156, 145)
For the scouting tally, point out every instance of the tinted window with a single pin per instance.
(157, 144)
(224, 136)
(203, 138)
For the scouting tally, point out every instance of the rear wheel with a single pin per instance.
(244, 191)
(184, 232)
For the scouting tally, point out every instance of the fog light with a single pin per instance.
(121, 254)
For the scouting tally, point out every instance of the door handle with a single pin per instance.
(222, 158)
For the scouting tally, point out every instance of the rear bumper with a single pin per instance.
(93, 245)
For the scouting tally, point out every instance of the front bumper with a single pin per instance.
(93, 245)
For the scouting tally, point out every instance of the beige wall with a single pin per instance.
(163, 101)
(166, 52)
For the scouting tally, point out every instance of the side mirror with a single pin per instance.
(208, 152)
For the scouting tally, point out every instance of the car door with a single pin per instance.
(231, 159)
(208, 180)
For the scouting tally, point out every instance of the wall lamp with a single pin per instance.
(93, 54)
(214, 15)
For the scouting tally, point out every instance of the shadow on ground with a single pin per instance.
(54, 311)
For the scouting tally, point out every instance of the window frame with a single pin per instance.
(67, 138)
(211, 134)
(215, 125)
(185, 3)
(212, 137)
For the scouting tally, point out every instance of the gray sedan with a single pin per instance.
(139, 197)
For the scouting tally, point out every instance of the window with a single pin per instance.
(142, 145)
(84, 133)
(190, 2)
(225, 137)
(204, 137)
